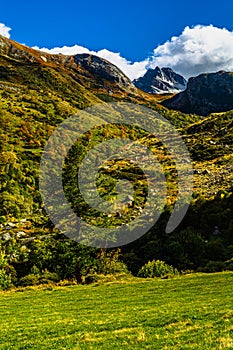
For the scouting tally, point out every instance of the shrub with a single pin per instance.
(47, 277)
(215, 250)
(213, 266)
(187, 272)
(29, 280)
(228, 265)
(34, 270)
(109, 263)
(157, 268)
(5, 280)
(34, 279)
(67, 282)
(11, 272)
(91, 278)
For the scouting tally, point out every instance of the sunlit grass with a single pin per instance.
(190, 312)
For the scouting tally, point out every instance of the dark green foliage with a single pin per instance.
(5, 280)
(228, 265)
(213, 266)
(29, 280)
(39, 278)
(109, 263)
(7, 272)
(185, 248)
(157, 268)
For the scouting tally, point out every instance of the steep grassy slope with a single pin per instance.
(38, 91)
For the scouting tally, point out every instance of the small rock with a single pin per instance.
(6, 236)
(20, 234)
(129, 198)
(30, 239)
(11, 225)
(43, 58)
(23, 220)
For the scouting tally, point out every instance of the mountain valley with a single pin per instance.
(38, 91)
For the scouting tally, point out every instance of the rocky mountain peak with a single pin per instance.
(161, 80)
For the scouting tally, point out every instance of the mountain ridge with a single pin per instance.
(207, 93)
(85, 65)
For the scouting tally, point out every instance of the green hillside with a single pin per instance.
(38, 91)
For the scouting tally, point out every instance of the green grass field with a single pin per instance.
(190, 312)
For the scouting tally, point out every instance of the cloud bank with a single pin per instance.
(198, 49)
(4, 30)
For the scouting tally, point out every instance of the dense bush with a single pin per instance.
(213, 266)
(29, 280)
(157, 268)
(35, 279)
(48, 277)
(185, 249)
(5, 280)
(109, 263)
(5, 272)
(228, 265)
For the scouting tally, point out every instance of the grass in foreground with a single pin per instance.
(191, 312)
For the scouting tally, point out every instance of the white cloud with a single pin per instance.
(132, 70)
(197, 50)
(4, 30)
(65, 50)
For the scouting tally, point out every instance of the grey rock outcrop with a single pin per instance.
(161, 80)
(103, 69)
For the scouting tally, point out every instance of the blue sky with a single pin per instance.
(132, 28)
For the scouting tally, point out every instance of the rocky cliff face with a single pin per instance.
(101, 68)
(161, 80)
(205, 94)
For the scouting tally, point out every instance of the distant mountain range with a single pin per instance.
(161, 80)
(90, 78)
(202, 95)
